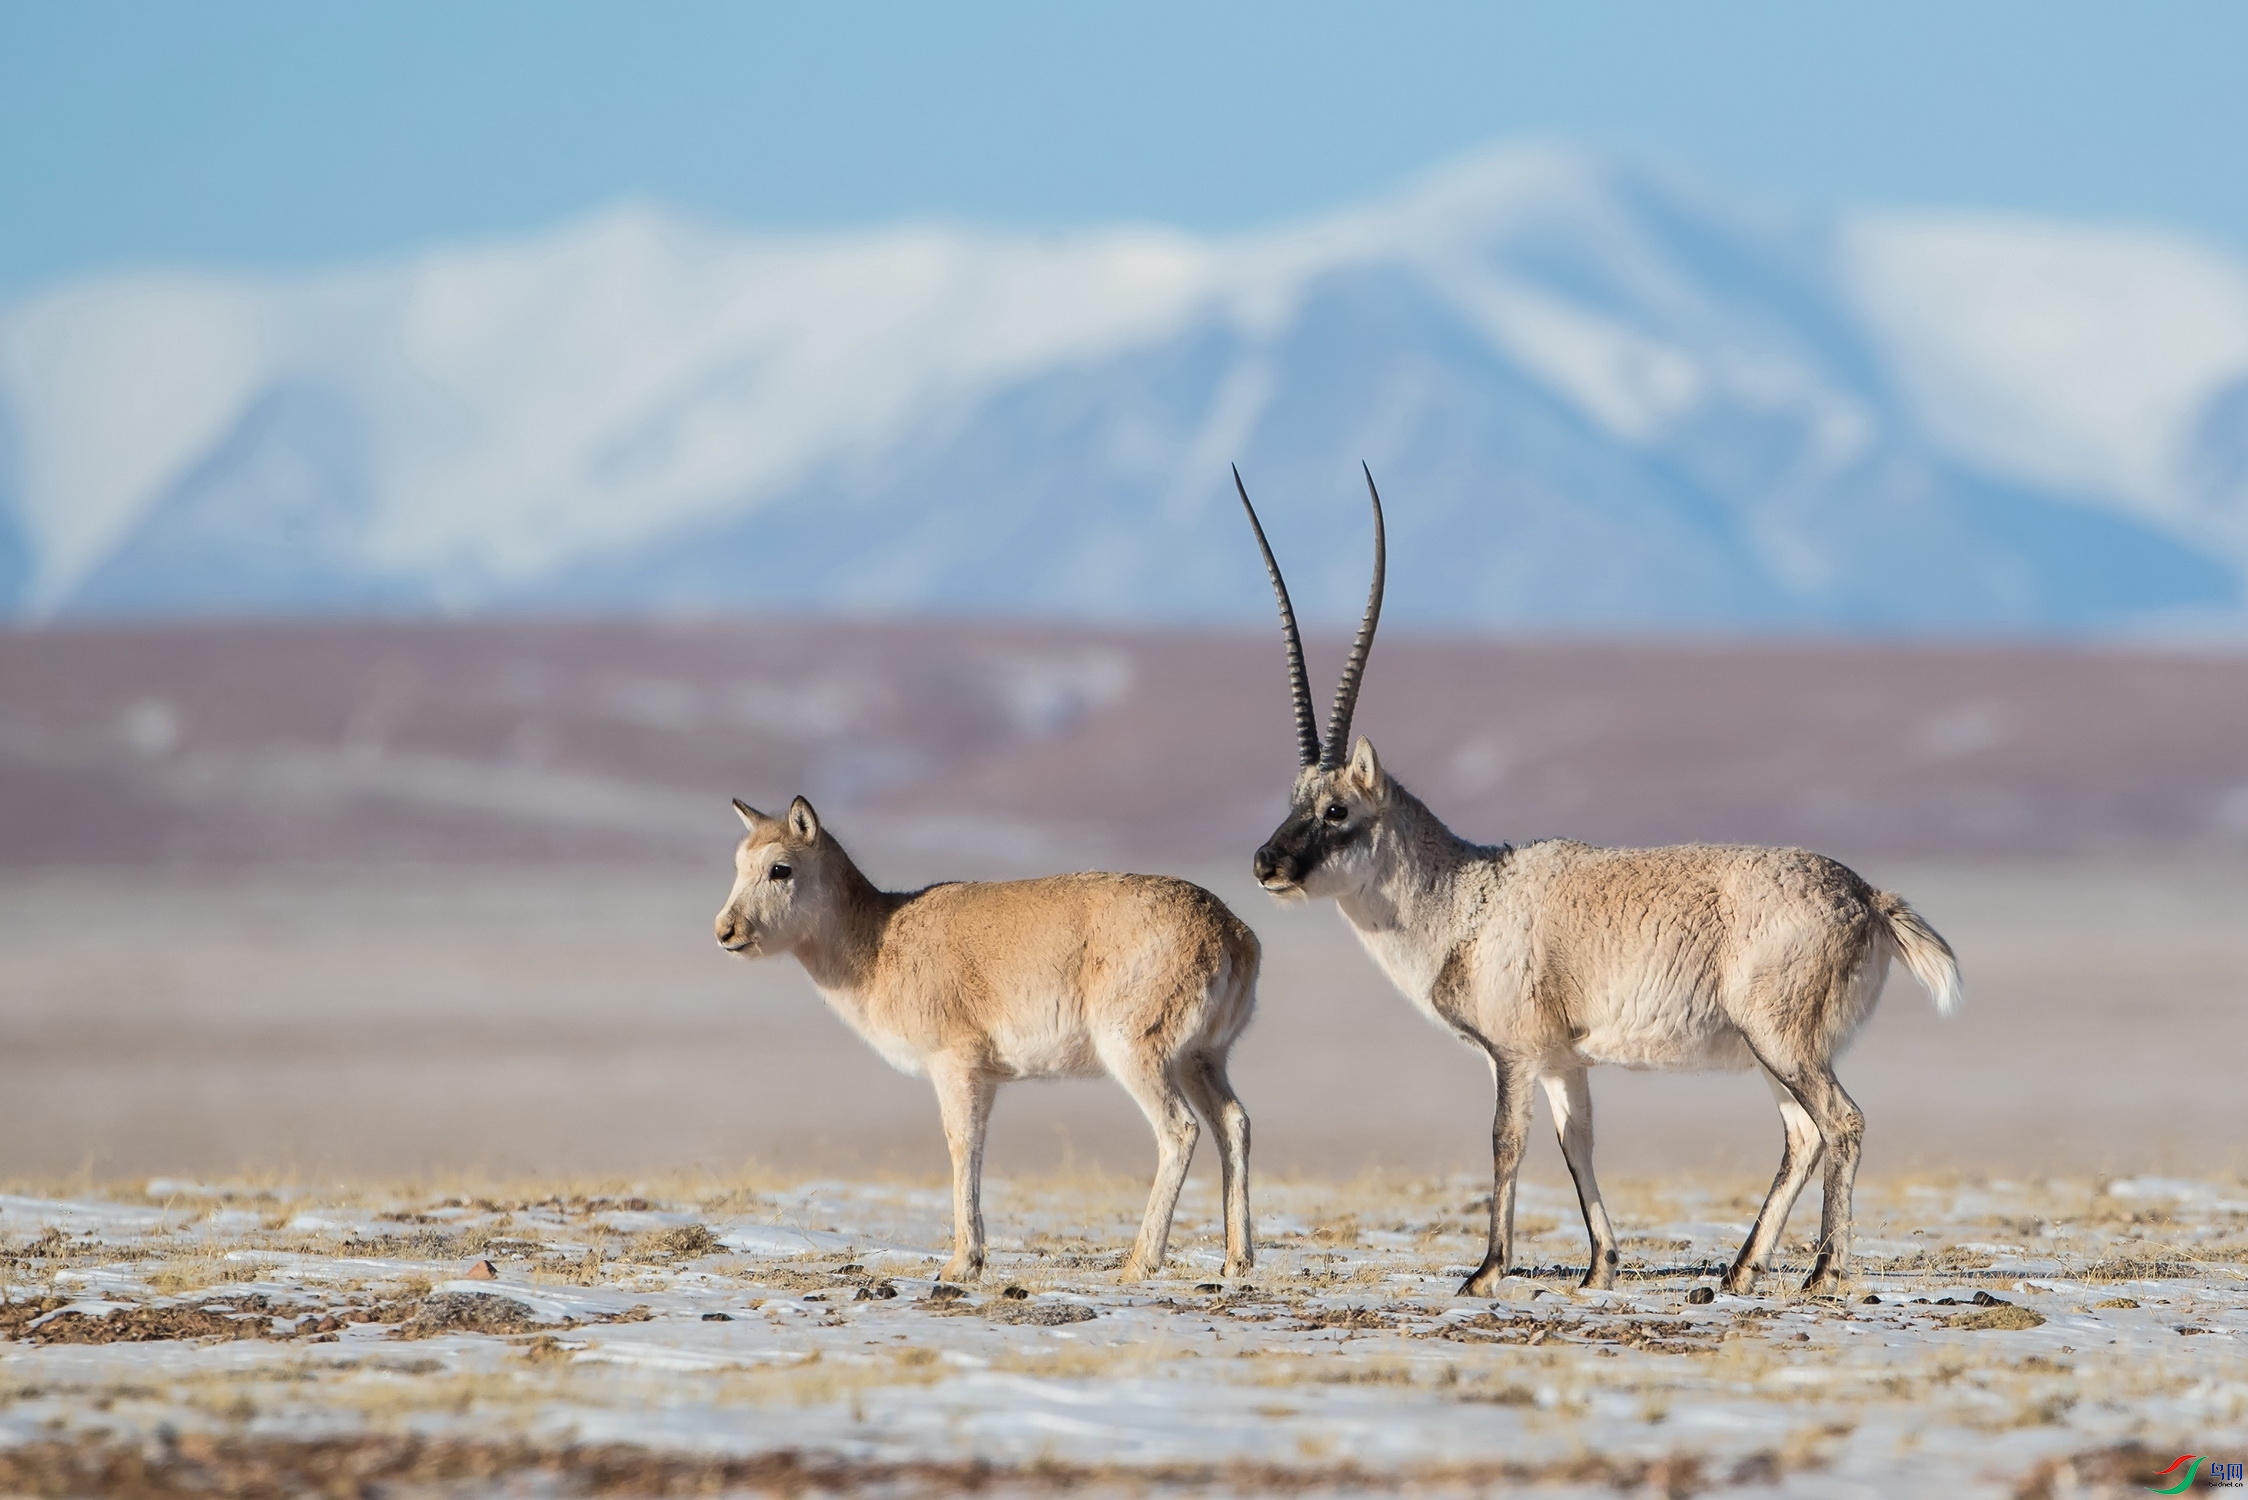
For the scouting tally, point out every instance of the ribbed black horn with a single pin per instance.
(1299, 681)
(1354, 670)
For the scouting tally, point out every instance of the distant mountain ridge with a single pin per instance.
(1598, 398)
(1034, 745)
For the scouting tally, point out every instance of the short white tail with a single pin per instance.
(1924, 951)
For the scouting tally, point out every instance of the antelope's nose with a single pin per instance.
(733, 932)
(1271, 865)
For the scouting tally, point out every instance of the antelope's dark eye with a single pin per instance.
(779, 872)
(1336, 812)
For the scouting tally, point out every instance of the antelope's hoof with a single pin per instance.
(1826, 1283)
(1739, 1281)
(1134, 1271)
(1598, 1279)
(961, 1270)
(1234, 1270)
(1484, 1283)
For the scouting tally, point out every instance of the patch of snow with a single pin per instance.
(778, 1239)
(2072, 357)
(650, 1355)
(2161, 1187)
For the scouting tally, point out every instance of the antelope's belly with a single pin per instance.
(1712, 1045)
(899, 1052)
(1046, 1053)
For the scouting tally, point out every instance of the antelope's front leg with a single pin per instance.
(964, 1094)
(1570, 1096)
(1510, 1128)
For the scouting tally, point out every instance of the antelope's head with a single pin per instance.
(784, 874)
(1326, 845)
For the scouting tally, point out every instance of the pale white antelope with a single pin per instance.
(1555, 956)
(1146, 978)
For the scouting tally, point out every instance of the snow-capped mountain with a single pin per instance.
(1596, 397)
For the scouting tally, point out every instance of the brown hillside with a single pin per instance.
(623, 741)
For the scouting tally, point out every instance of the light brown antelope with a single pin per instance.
(1555, 956)
(1143, 977)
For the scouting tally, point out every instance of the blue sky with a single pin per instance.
(286, 134)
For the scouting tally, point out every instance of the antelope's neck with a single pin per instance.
(1421, 903)
(841, 957)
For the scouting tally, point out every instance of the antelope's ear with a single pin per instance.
(1365, 768)
(750, 816)
(803, 822)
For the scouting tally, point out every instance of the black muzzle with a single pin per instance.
(1274, 864)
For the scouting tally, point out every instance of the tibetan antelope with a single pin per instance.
(1144, 977)
(1555, 956)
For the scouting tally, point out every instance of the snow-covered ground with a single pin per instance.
(2005, 1337)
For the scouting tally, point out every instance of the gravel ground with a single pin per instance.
(761, 1335)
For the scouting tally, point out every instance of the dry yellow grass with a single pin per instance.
(2007, 1317)
(680, 1242)
(194, 1272)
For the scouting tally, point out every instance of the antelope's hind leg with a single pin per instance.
(1204, 1078)
(964, 1094)
(1570, 1096)
(1842, 1124)
(1797, 1157)
(1148, 1080)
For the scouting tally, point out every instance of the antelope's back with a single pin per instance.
(1656, 952)
(1092, 948)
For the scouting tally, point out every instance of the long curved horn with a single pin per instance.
(1354, 670)
(1299, 681)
